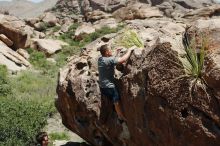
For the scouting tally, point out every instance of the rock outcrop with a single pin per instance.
(13, 28)
(73, 9)
(13, 60)
(48, 46)
(157, 97)
(6, 40)
(205, 12)
(137, 11)
(17, 32)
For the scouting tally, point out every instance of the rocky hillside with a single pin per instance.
(26, 9)
(169, 97)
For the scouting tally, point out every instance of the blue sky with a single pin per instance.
(35, 1)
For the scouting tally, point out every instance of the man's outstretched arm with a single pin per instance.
(125, 56)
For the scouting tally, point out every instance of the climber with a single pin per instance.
(106, 64)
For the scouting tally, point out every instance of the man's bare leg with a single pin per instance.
(119, 111)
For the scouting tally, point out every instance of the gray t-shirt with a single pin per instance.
(106, 67)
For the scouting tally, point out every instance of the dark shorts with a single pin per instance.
(111, 93)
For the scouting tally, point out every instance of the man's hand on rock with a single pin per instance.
(132, 48)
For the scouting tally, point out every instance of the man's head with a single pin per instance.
(105, 50)
(42, 138)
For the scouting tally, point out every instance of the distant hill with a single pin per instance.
(26, 9)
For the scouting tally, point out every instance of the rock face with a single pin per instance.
(159, 103)
(13, 28)
(17, 32)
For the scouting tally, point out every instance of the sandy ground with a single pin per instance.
(55, 126)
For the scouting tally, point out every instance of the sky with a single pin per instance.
(35, 1)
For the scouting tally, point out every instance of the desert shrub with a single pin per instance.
(40, 62)
(129, 38)
(33, 85)
(195, 53)
(21, 120)
(44, 26)
(59, 136)
(24, 112)
(196, 46)
(56, 28)
(5, 88)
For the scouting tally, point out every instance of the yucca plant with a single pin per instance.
(129, 38)
(195, 54)
(196, 48)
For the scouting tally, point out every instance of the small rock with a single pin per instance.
(50, 19)
(51, 60)
(6, 40)
(23, 53)
(85, 28)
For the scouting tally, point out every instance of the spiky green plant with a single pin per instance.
(195, 54)
(129, 38)
(196, 48)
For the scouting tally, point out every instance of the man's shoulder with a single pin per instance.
(108, 60)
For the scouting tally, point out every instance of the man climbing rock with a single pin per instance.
(106, 66)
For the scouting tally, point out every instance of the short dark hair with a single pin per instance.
(103, 49)
(40, 137)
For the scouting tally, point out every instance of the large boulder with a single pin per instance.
(96, 15)
(205, 12)
(85, 28)
(13, 60)
(49, 18)
(48, 46)
(137, 11)
(107, 5)
(17, 31)
(14, 29)
(157, 95)
(109, 22)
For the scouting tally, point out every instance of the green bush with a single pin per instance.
(59, 136)
(5, 88)
(34, 86)
(24, 112)
(39, 61)
(56, 28)
(129, 38)
(44, 26)
(21, 120)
